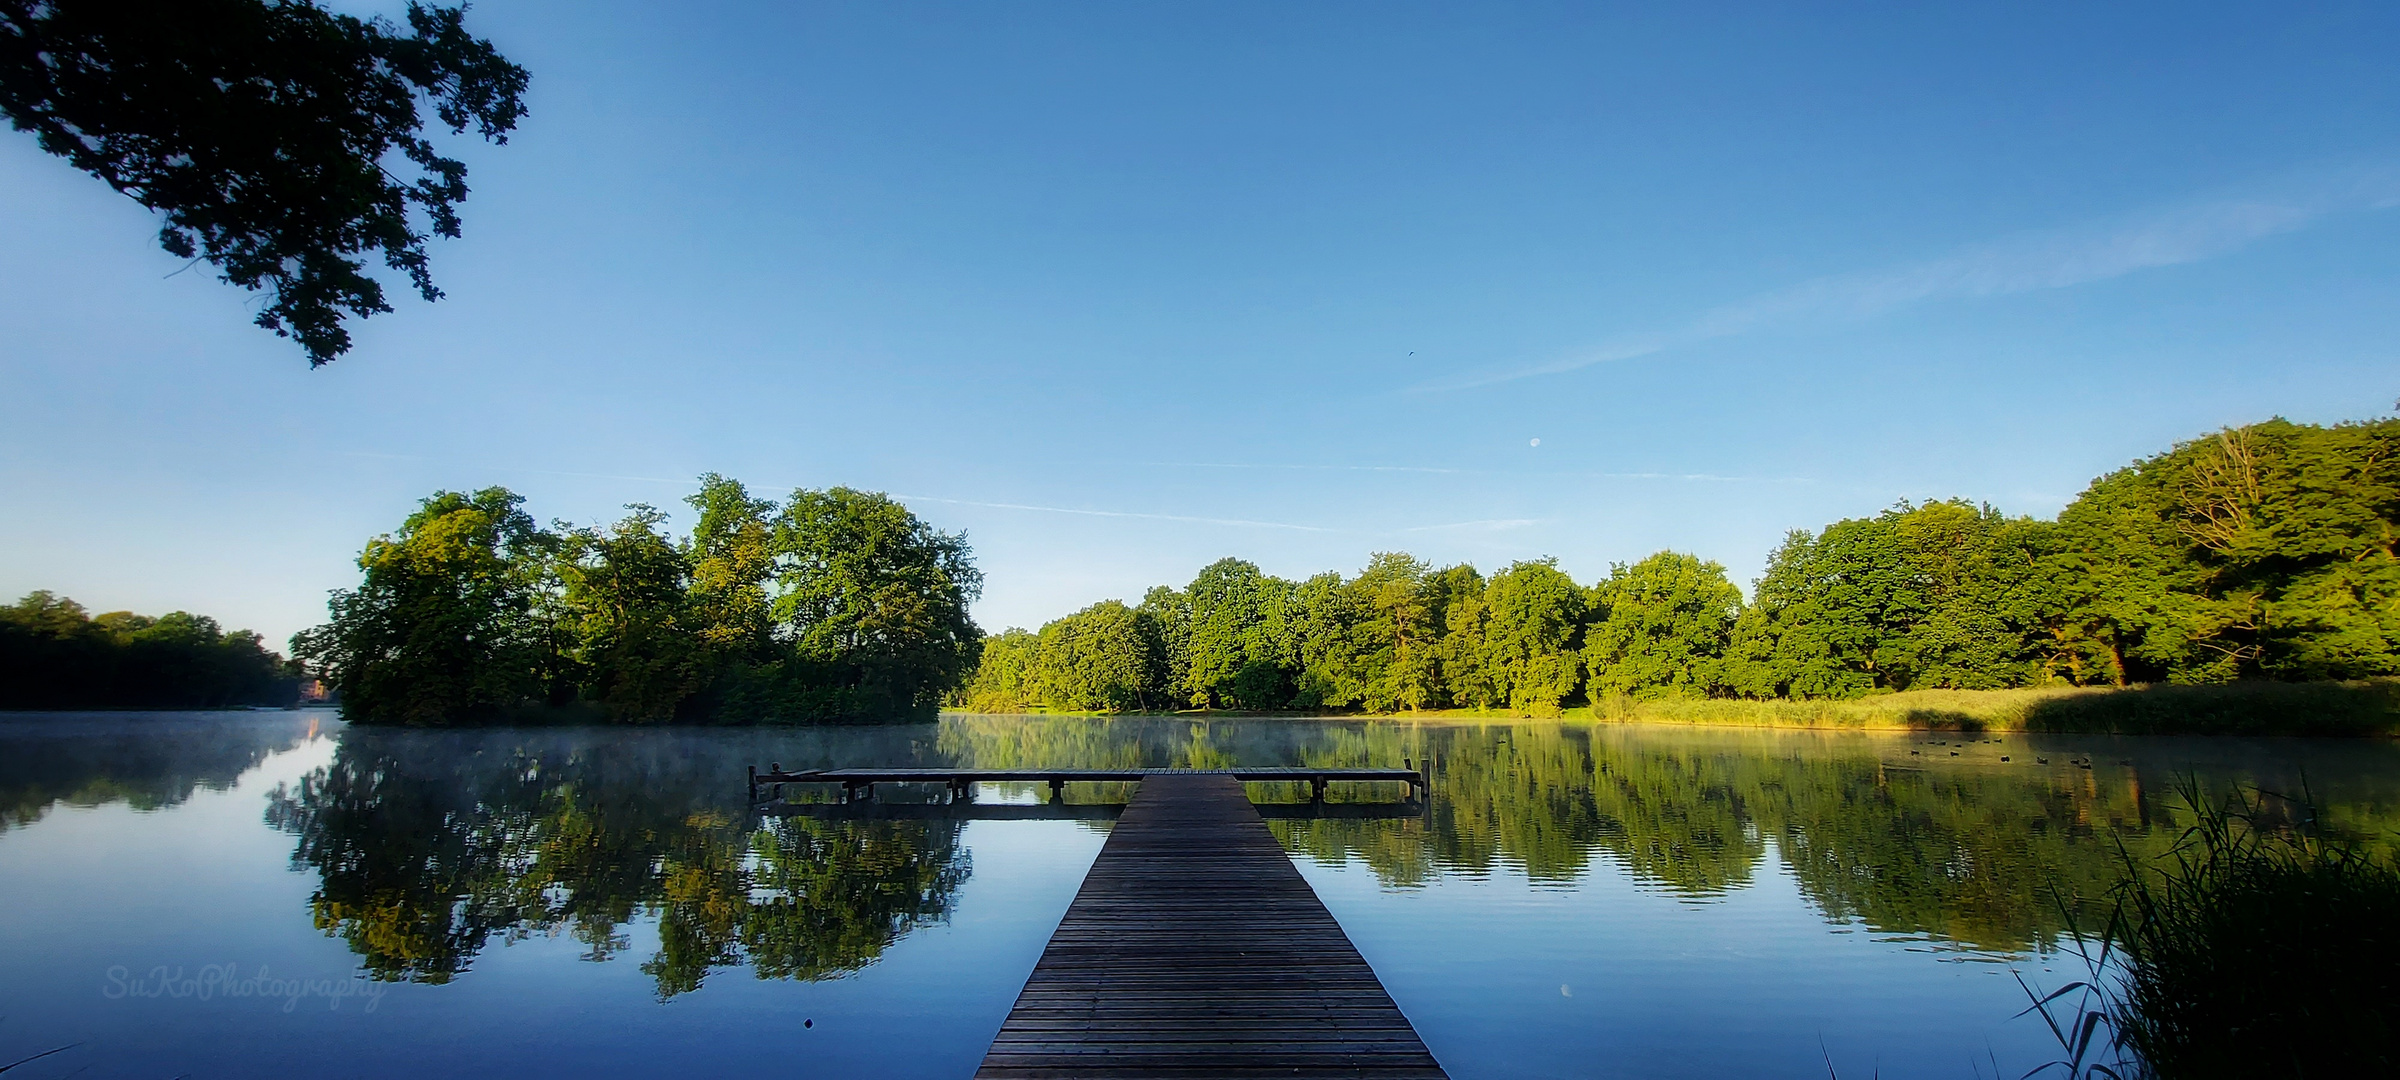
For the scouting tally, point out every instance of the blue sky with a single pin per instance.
(1122, 288)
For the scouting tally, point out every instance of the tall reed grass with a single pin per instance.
(2256, 947)
(2262, 948)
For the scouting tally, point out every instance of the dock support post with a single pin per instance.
(1058, 790)
(753, 784)
(1316, 789)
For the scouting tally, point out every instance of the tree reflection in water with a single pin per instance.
(428, 845)
(148, 761)
(1977, 851)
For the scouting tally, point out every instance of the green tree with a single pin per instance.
(54, 656)
(1984, 598)
(1468, 678)
(1168, 613)
(1531, 634)
(2306, 521)
(443, 628)
(1100, 659)
(628, 602)
(1399, 635)
(2263, 551)
(1665, 624)
(44, 612)
(2259, 552)
(1004, 679)
(732, 555)
(2129, 589)
(873, 602)
(1943, 594)
(269, 136)
(1232, 654)
(838, 605)
(1454, 596)
(1327, 645)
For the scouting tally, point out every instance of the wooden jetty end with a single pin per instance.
(868, 810)
(1195, 949)
(857, 782)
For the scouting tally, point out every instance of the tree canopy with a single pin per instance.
(2263, 552)
(55, 655)
(837, 604)
(448, 623)
(266, 134)
(1663, 627)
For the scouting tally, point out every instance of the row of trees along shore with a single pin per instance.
(56, 655)
(835, 605)
(2262, 552)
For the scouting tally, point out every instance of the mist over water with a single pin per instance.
(192, 893)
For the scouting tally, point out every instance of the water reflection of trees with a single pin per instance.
(1978, 853)
(146, 760)
(1966, 855)
(428, 845)
(1970, 852)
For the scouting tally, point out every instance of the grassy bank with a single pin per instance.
(2364, 708)
(2368, 707)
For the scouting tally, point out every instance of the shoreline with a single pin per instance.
(2365, 708)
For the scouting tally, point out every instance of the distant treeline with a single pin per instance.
(836, 605)
(2263, 552)
(55, 656)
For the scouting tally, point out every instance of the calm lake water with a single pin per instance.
(244, 894)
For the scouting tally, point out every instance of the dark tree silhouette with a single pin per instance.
(266, 133)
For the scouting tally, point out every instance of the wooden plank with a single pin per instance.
(775, 774)
(1195, 949)
(939, 775)
(1065, 811)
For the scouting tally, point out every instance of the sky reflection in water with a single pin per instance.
(1634, 901)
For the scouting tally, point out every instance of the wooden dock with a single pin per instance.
(1067, 811)
(1195, 949)
(861, 782)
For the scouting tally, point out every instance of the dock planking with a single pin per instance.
(1195, 949)
(861, 782)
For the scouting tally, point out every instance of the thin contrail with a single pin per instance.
(2052, 259)
(379, 456)
(1304, 468)
(1486, 525)
(1242, 522)
(1590, 473)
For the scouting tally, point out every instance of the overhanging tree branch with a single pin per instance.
(261, 130)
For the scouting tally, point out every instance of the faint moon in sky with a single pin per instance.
(1537, 442)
